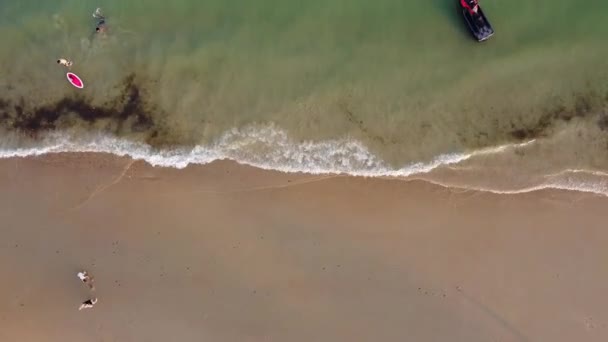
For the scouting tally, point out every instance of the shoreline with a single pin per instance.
(303, 171)
(232, 253)
(445, 171)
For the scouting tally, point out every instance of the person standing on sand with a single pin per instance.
(87, 304)
(86, 279)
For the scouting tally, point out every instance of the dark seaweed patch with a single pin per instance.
(344, 107)
(128, 112)
(584, 107)
(521, 134)
(602, 123)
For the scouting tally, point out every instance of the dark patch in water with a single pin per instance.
(585, 105)
(344, 107)
(128, 113)
(602, 123)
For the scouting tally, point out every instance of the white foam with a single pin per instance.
(265, 147)
(579, 171)
(596, 186)
(270, 148)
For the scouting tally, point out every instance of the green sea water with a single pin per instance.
(402, 78)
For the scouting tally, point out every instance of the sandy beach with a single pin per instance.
(303, 171)
(225, 252)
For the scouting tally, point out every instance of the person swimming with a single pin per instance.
(65, 62)
(101, 26)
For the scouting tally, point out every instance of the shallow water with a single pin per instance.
(350, 86)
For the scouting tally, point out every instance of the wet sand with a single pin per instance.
(230, 253)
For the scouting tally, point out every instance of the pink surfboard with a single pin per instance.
(75, 80)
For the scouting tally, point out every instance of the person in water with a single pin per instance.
(65, 62)
(101, 26)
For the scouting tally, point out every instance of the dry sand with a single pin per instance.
(229, 253)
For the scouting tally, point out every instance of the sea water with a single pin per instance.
(374, 88)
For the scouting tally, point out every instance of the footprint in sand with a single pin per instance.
(589, 323)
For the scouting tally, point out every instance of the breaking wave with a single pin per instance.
(270, 148)
(265, 147)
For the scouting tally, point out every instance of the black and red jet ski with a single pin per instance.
(477, 22)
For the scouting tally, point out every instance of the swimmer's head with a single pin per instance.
(100, 28)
